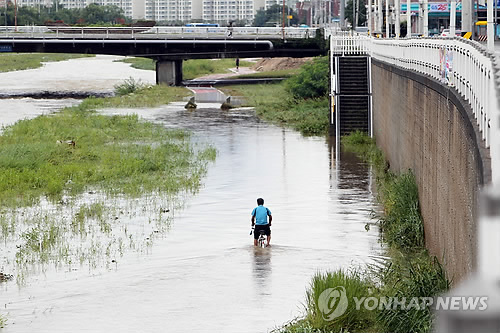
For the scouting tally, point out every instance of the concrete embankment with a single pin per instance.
(425, 126)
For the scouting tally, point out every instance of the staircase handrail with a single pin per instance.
(459, 63)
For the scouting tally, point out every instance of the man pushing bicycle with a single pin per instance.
(259, 220)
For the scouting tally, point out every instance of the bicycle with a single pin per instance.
(261, 241)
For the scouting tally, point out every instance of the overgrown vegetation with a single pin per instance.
(296, 102)
(3, 320)
(192, 68)
(353, 320)
(19, 61)
(402, 225)
(129, 86)
(67, 180)
(312, 81)
(408, 272)
(120, 153)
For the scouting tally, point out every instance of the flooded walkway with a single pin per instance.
(203, 275)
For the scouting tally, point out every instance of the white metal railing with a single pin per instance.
(459, 63)
(155, 32)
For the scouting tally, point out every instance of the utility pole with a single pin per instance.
(426, 18)
(491, 25)
(369, 15)
(15, 15)
(397, 26)
(453, 17)
(355, 4)
(467, 16)
(283, 24)
(342, 14)
(387, 33)
(330, 12)
(380, 19)
(408, 18)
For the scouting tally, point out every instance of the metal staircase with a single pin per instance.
(352, 96)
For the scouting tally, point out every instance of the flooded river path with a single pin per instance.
(203, 275)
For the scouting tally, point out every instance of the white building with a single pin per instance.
(212, 11)
(166, 10)
(224, 11)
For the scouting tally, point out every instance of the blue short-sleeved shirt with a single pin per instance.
(261, 214)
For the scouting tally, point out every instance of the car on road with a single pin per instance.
(446, 33)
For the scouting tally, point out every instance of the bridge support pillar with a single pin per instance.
(169, 72)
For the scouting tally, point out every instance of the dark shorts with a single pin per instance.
(258, 228)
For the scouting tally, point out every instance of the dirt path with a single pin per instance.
(234, 72)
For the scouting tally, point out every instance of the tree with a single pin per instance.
(273, 16)
(312, 80)
(362, 12)
(92, 14)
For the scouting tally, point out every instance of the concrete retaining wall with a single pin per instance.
(426, 127)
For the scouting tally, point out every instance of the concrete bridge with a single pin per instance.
(433, 107)
(169, 46)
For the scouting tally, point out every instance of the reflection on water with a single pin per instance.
(262, 267)
(202, 273)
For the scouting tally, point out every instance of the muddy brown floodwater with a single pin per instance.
(202, 274)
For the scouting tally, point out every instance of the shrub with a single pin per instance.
(129, 86)
(312, 81)
(402, 224)
(408, 276)
(355, 286)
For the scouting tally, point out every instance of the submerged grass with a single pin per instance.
(19, 61)
(273, 103)
(119, 153)
(409, 271)
(3, 320)
(192, 68)
(122, 154)
(402, 224)
(148, 96)
(69, 204)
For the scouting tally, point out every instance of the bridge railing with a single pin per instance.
(456, 62)
(156, 32)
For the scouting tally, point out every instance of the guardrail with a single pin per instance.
(156, 32)
(457, 62)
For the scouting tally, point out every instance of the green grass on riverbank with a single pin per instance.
(148, 96)
(19, 61)
(191, 68)
(79, 204)
(408, 272)
(120, 154)
(300, 102)
(273, 103)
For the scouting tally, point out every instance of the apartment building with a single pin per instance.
(167, 10)
(223, 11)
(215, 11)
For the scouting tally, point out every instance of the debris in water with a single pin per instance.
(227, 104)
(191, 104)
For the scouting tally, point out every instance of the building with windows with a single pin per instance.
(225, 11)
(213, 11)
